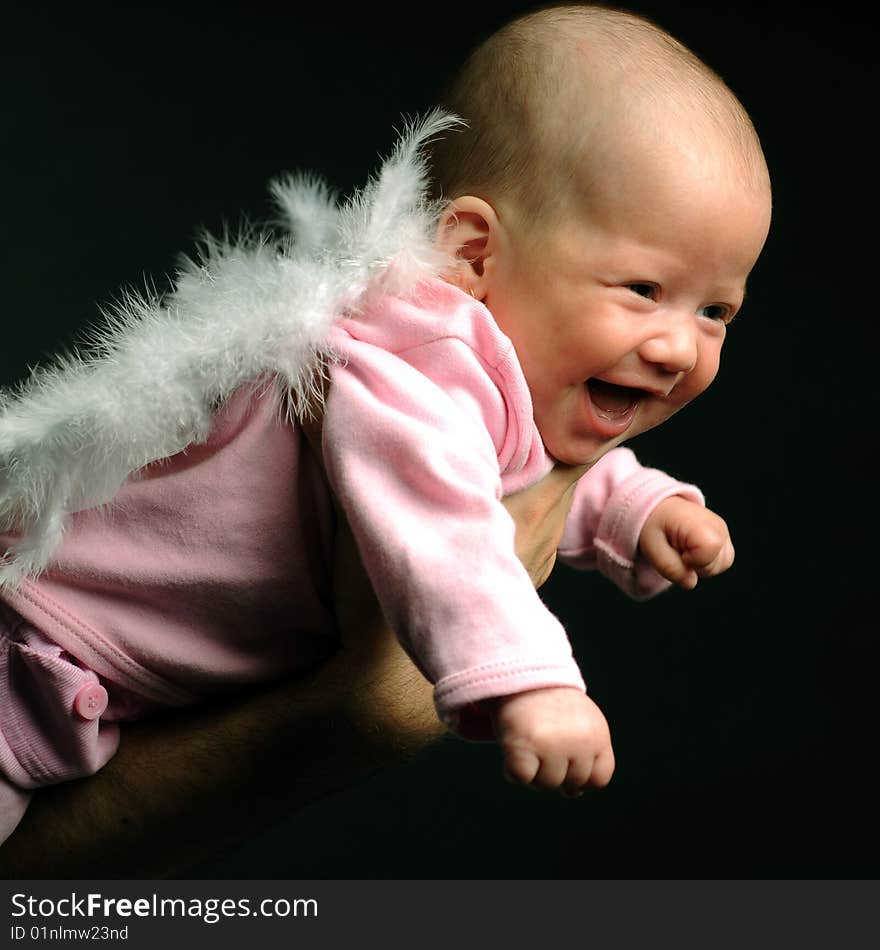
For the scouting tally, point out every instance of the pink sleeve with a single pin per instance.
(611, 504)
(415, 469)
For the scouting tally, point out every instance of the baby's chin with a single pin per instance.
(578, 452)
(586, 449)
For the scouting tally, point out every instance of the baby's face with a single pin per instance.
(618, 310)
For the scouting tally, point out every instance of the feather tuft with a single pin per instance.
(246, 308)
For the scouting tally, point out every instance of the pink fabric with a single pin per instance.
(213, 568)
(429, 418)
(606, 519)
(210, 570)
(43, 740)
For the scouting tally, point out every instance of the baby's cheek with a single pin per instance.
(701, 377)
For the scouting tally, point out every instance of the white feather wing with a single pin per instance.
(244, 310)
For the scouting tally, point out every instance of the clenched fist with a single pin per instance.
(685, 541)
(554, 738)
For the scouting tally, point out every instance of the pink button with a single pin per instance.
(91, 701)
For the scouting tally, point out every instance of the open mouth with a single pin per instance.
(611, 401)
(612, 408)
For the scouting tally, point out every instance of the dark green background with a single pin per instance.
(744, 714)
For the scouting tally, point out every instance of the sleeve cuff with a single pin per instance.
(617, 540)
(460, 698)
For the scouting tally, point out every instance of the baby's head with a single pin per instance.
(607, 203)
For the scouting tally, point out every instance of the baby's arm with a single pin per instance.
(642, 528)
(416, 471)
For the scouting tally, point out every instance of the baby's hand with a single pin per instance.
(554, 738)
(684, 541)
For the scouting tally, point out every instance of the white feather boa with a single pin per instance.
(246, 309)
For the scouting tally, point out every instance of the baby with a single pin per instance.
(608, 201)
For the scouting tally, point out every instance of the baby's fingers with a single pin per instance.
(526, 767)
(603, 768)
(711, 558)
(589, 772)
(521, 765)
(667, 561)
(551, 773)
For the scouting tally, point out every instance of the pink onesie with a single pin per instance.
(212, 569)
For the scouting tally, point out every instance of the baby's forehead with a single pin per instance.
(591, 70)
(610, 122)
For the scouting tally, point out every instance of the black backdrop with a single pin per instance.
(743, 714)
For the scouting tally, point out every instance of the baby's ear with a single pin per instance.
(467, 231)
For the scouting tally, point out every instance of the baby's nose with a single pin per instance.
(673, 347)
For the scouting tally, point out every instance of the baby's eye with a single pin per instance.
(644, 289)
(716, 311)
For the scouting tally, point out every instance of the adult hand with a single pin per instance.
(540, 513)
